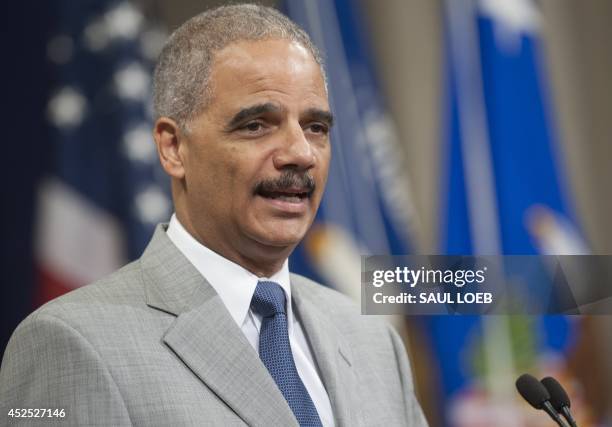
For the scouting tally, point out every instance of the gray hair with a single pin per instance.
(181, 84)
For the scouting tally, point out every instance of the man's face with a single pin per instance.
(256, 159)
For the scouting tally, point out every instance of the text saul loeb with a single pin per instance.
(432, 293)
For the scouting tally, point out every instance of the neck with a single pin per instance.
(260, 268)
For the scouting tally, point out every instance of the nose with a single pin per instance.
(296, 151)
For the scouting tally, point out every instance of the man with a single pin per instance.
(208, 327)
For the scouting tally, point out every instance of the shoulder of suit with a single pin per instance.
(320, 293)
(124, 286)
(343, 309)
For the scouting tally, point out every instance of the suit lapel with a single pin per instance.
(206, 338)
(332, 354)
(210, 343)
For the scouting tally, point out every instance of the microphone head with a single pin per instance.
(558, 396)
(532, 390)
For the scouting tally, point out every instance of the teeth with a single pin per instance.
(286, 197)
(291, 199)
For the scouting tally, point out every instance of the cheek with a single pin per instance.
(238, 175)
(209, 175)
(324, 161)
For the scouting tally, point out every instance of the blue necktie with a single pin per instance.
(275, 351)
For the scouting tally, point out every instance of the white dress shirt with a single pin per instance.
(236, 286)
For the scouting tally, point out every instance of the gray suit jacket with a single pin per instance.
(153, 345)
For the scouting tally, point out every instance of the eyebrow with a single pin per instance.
(268, 107)
(320, 115)
(251, 112)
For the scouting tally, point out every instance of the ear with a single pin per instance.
(167, 135)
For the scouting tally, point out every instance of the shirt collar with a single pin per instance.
(234, 284)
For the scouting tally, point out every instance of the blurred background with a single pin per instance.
(463, 127)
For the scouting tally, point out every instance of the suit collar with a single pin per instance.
(207, 339)
(172, 284)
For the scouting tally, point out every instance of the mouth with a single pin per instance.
(287, 202)
(290, 195)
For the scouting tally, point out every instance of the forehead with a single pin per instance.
(277, 70)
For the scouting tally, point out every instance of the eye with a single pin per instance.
(319, 128)
(253, 126)
(253, 129)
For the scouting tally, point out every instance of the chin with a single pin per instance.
(277, 231)
(281, 241)
(281, 236)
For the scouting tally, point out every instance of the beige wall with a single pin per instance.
(406, 38)
(579, 41)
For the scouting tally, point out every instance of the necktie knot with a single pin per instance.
(268, 299)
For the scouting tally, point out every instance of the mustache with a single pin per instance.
(289, 179)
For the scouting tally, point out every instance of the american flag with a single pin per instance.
(105, 190)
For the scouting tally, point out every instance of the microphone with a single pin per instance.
(534, 392)
(559, 399)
